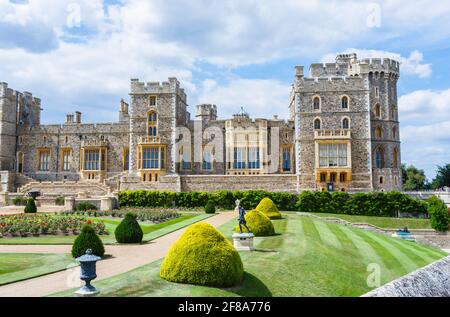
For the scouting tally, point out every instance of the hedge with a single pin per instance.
(370, 204)
(438, 214)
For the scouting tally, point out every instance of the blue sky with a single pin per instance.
(80, 55)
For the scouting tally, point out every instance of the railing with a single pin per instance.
(149, 140)
(332, 134)
(94, 143)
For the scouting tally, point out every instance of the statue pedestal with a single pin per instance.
(243, 241)
(87, 292)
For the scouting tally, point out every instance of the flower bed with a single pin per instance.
(24, 225)
(154, 216)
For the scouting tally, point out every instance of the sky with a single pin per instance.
(81, 55)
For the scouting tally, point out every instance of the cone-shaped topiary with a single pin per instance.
(210, 208)
(30, 208)
(202, 256)
(129, 231)
(268, 208)
(259, 224)
(87, 239)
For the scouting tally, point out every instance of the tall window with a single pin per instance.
(66, 153)
(379, 157)
(185, 157)
(20, 162)
(316, 103)
(286, 159)
(378, 133)
(207, 159)
(378, 111)
(94, 159)
(239, 158)
(150, 157)
(317, 124)
(126, 159)
(152, 124)
(331, 155)
(253, 158)
(152, 101)
(44, 159)
(344, 102)
(394, 133)
(395, 158)
(345, 123)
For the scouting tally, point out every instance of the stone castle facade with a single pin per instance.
(343, 132)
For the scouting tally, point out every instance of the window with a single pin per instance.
(94, 159)
(20, 162)
(152, 101)
(207, 159)
(44, 159)
(381, 179)
(126, 159)
(20, 140)
(331, 155)
(344, 102)
(317, 124)
(150, 157)
(379, 157)
(239, 158)
(394, 133)
(333, 177)
(323, 177)
(286, 160)
(395, 158)
(66, 153)
(342, 177)
(152, 124)
(377, 92)
(316, 103)
(378, 111)
(345, 123)
(393, 113)
(378, 132)
(253, 158)
(185, 157)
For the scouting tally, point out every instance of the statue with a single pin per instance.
(242, 213)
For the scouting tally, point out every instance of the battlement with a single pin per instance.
(7, 92)
(333, 83)
(171, 86)
(386, 65)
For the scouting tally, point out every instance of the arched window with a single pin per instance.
(316, 103)
(379, 157)
(345, 123)
(344, 102)
(152, 123)
(394, 133)
(317, 124)
(378, 111)
(378, 133)
(395, 158)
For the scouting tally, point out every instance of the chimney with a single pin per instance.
(299, 71)
(77, 117)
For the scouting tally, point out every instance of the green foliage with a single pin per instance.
(129, 231)
(203, 256)
(59, 201)
(438, 212)
(85, 206)
(30, 208)
(192, 199)
(210, 208)
(258, 223)
(413, 178)
(268, 208)
(87, 239)
(442, 178)
(224, 199)
(20, 201)
(146, 198)
(284, 201)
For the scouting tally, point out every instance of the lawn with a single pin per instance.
(309, 257)
(383, 222)
(15, 267)
(151, 231)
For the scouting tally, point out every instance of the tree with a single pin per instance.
(30, 208)
(438, 214)
(129, 231)
(442, 177)
(413, 178)
(87, 239)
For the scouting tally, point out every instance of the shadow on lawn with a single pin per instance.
(251, 286)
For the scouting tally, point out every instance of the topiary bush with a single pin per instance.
(268, 208)
(210, 208)
(129, 231)
(30, 208)
(87, 239)
(438, 214)
(203, 256)
(258, 223)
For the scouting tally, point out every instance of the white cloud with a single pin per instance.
(425, 106)
(411, 65)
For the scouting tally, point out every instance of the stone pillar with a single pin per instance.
(4, 199)
(106, 203)
(69, 203)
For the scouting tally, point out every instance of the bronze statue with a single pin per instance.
(242, 213)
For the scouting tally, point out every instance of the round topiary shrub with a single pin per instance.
(129, 231)
(30, 208)
(210, 208)
(87, 239)
(202, 256)
(268, 208)
(258, 223)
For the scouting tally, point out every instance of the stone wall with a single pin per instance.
(430, 281)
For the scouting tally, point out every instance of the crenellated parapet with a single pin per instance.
(171, 86)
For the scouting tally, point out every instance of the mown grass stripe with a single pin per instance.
(433, 253)
(295, 224)
(405, 261)
(326, 235)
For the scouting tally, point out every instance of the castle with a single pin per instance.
(342, 135)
